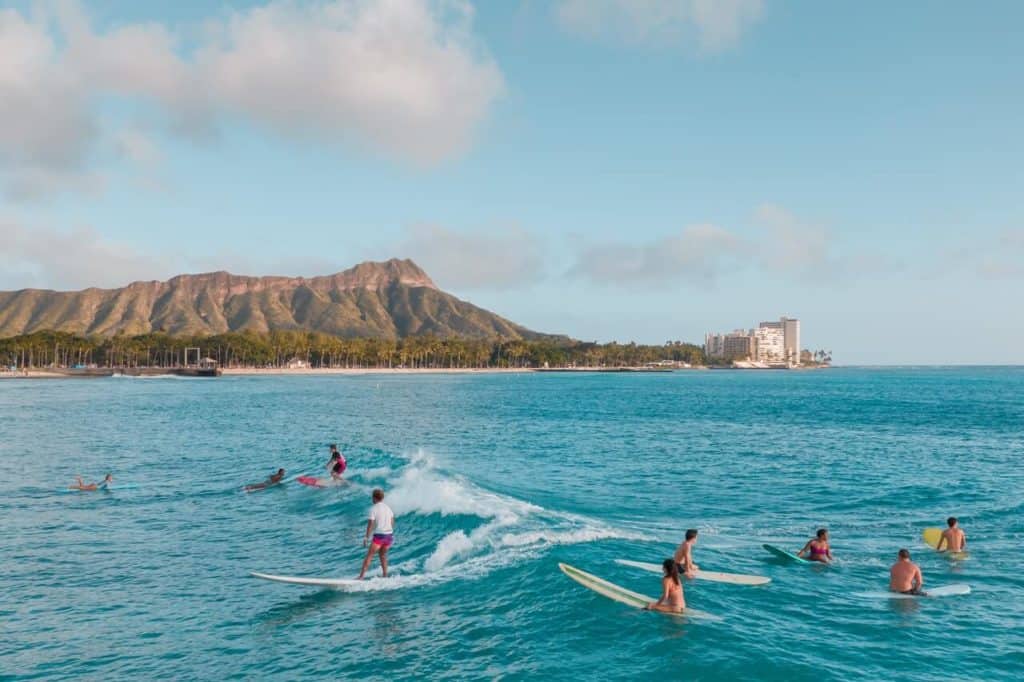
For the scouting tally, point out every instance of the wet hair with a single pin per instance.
(378, 494)
(951, 521)
(280, 472)
(904, 554)
(334, 446)
(691, 533)
(671, 569)
(109, 475)
(821, 532)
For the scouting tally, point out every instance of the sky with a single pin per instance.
(631, 170)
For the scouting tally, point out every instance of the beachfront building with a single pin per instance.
(770, 344)
(736, 345)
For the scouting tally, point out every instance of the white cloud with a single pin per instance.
(717, 24)
(403, 76)
(506, 258)
(698, 254)
(44, 257)
(780, 245)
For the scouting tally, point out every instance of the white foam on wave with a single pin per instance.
(513, 529)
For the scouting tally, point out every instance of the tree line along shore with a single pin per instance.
(301, 349)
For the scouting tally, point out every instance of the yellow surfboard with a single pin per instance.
(931, 537)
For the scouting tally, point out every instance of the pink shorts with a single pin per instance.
(383, 539)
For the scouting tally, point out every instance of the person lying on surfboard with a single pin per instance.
(953, 539)
(672, 599)
(337, 463)
(81, 485)
(818, 548)
(905, 576)
(684, 555)
(273, 479)
(381, 523)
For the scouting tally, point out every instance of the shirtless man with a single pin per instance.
(953, 539)
(684, 555)
(905, 576)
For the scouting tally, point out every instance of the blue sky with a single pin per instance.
(610, 169)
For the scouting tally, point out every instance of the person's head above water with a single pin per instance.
(108, 477)
(691, 533)
(904, 554)
(951, 521)
(822, 533)
(334, 447)
(280, 472)
(671, 569)
(378, 495)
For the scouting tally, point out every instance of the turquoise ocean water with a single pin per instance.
(495, 479)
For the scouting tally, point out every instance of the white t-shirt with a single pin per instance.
(383, 519)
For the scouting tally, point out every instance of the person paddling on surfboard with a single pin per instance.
(672, 599)
(684, 555)
(818, 548)
(953, 539)
(381, 523)
(81, 485)
(273, 479)
(905, 576)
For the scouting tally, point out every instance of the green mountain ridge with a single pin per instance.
(393, 299)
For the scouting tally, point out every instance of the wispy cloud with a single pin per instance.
(500, 258)
(780, 244)
(406, 77)
(715, 24)
(36, 256)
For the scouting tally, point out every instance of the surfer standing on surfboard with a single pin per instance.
(382, 524)
(684, 555)
(954, 539)
(818, 548)
(905, 576)
(337, 463)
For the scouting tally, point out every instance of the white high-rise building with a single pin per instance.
(790, 329)
(771, 344)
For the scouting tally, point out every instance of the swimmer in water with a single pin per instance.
(81, 485)
(953, 539)
(672, 600)
(818, 548)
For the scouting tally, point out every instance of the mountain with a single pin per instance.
(393, 299)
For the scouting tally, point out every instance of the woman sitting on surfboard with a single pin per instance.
(81, 485)
(818, 548)
(672, 600)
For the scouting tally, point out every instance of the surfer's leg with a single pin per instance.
(384, 560)
(366, 562)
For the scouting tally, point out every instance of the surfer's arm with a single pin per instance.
(805, 549)
(369, 529)
(942, 540)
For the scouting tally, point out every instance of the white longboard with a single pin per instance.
(713, 576)
(953, 590)
(621, 594)
(313, 582)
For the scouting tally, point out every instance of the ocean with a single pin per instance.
(495, 479)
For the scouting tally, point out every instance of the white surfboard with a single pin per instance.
(622, 595)
(713, 576)
(313, 582)
(953, 590)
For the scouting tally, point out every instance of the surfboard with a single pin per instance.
(931, 537)
(622, 595)
(712, 576)
(315, 482)
(312, 582)
(788, 556)
(953, 590)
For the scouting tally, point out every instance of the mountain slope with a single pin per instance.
(392, 299)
